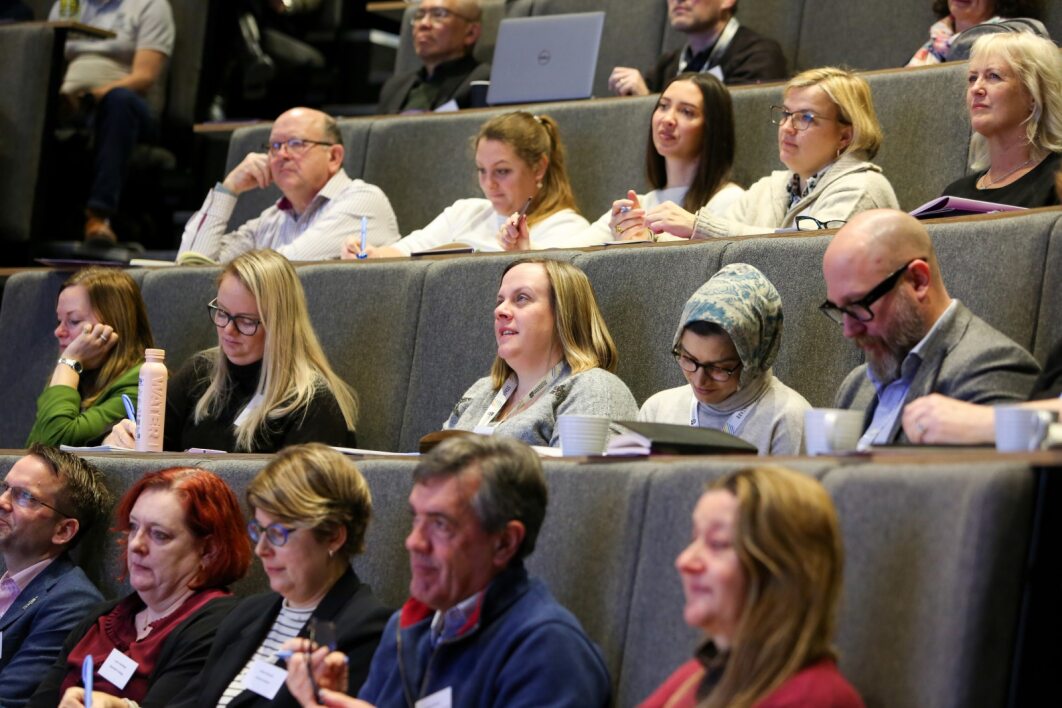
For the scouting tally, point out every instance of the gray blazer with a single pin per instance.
(970, 361)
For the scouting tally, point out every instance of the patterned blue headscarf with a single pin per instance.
(741, 300)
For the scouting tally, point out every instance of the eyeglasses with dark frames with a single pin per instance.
(276, 533)
(435, 15)
(690, 365)
(860, 310)
(295, 146)
(27, 500)
(810, 223)
(802, 120)
(245, 325)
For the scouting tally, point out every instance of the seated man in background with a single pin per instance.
(320, 207)
(444, 34)
(120, 83)
(477, 630)
(884, 286)
(715, 42)
(48, 501)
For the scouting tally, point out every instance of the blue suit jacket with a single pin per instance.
(35, 627)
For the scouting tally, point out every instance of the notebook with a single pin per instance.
(547, 58)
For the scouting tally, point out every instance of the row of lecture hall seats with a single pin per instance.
(411, 335)
(933, 577)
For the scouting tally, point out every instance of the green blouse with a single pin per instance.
(60, 420)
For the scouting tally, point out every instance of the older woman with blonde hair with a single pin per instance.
(555, 356)
(828, 133)
(102, 331)
(762, 577)
(1014, 96)
(311, 509)
(527, 199)
(268, 384)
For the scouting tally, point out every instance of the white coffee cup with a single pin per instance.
(582, 434)
(1021, 429)
(832, 430)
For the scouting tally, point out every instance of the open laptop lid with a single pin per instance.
(547, 58)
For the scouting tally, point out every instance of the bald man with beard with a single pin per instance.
(884, 287)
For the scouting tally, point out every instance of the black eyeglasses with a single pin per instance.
(860, 310)
(802, 120)
(690, 365)
(276, 533)
(245, 325)
(435, 15)
(295, 146)
(810, 223)
(25, 499)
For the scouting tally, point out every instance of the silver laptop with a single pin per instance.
(547, 58)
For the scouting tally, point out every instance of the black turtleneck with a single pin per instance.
(322, 423)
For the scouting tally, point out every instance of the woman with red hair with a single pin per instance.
(183, 544)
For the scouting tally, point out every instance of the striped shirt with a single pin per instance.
(317, 234)
(287, 625)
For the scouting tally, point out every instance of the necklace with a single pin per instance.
(989, 182)
(143, 619)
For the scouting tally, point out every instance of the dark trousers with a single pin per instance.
(123, 119)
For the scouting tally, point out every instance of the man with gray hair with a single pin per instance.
(48, 501)
(477, 630)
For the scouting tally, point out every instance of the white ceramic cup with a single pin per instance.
(1021, 429)
(582, 434)
(832, 430)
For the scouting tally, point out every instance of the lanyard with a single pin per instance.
(733, 423)
(510, 386)
(721, 45)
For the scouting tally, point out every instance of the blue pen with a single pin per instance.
(364, 234)
(285, 654)
(86, 679)
(130, 411)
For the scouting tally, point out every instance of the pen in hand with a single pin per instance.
(364, 233)
(130, 411)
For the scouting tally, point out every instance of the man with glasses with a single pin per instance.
(444, 35)
(319, 208)
(48, 501)
(716, 43)
(884, 287)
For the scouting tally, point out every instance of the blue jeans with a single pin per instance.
(123, 119)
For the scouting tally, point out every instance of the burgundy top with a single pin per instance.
(117, 630)
(820, 685)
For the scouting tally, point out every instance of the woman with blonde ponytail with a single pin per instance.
(528, 202)
(762, 578)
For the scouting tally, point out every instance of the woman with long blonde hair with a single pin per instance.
(762, 577)
(102, 329)
(268, 383)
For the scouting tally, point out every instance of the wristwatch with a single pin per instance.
(73, 364)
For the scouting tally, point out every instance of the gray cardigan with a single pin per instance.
(847, 188)
(592, 392)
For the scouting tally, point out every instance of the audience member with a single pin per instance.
(103, 331)
(728, 337)
(184, 544)
(716, 43)
(444, 34)
(268, 384)
(528, 202)
(957, 16)
(1014, 96)
(688, 157)
(765, 541)
(827, 134)
(120, 82)
(476, 631)
(320, 206)
(311, 510)
(555, 357)
(43, 595)
(884, 286)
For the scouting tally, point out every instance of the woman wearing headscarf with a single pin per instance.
(727, 338)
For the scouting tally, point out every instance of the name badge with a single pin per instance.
(717, 72)
(251, 407)
(439, 699)
(265, 679)
(484, 429)
(118, 668)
